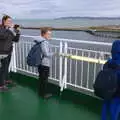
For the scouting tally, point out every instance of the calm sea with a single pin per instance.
(79, 35)
(69, 23)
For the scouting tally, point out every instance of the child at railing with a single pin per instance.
(44, 68)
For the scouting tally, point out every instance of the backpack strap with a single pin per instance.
(38, 42)
(111, 66)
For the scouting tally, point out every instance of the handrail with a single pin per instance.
(70, 67)
(86, 59)
(71, 40)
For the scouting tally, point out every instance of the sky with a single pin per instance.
(48, 9)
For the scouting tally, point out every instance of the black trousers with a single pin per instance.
(4, 69)
(43, 80)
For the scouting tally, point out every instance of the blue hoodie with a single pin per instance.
(115, 61)
(115, 53)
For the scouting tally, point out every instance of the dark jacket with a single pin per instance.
(6, 40)
(114, 62)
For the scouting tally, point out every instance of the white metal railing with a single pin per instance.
(73, 67)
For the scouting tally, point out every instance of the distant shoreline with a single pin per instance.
(73, 18)
(112, 28)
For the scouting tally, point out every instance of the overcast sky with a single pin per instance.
(60, 8)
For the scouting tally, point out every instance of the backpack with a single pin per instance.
(35, 55)
(106, 83)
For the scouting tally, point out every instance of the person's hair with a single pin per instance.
(4, 18)
(45, 30)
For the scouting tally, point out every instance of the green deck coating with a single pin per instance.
(22, 103)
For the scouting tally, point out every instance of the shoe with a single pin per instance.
(47, 96)
(3, 88)
(10, 82)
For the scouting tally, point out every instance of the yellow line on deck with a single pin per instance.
(87, 59)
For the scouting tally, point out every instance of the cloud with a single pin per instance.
(27, 9)
(58, 8)
(90, 8)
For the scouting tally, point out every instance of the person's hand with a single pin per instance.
(68, 56)
(17, 29)
(11, 25)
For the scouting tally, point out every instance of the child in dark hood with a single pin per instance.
(114, 62)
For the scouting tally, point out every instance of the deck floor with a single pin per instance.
(22, 103)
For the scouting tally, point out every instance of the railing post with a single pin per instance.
(64, 80)
(60, 67)
(65, 66)
(101, 57)
(13, 60)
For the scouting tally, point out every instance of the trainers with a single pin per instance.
(47, 96)
(10, 82)
(3, 88)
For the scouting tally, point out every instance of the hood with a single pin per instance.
(38, 38)
(115, 52)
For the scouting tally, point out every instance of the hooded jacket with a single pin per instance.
(115, 53)
(114, 62)
(47, 52)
